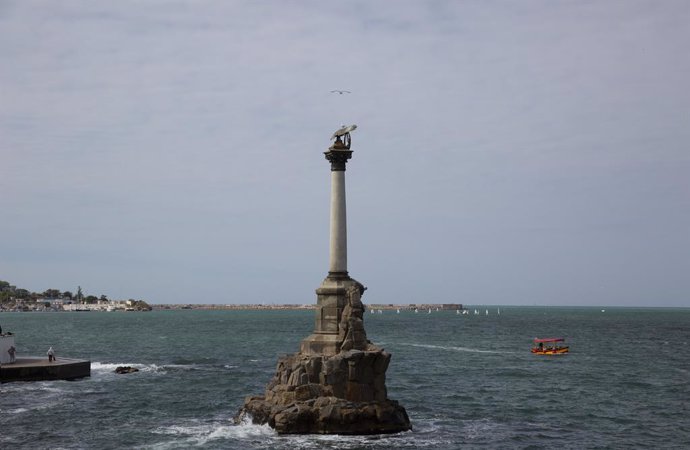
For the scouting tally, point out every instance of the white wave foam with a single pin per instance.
(246, 429)
(404, 440)
(201, 434)
(49, 386)
(110, 367)
(475, 429)
(102, 367)
(200, 367)
(14, 411)
(44, 405)
(458, 349)
(187, 367)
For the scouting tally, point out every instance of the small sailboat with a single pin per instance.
(416, 310)
(429, 310)
(398, 311)
(498, 311)
(487, 312)
(476, 312)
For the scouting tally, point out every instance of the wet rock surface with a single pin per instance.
(343, 394)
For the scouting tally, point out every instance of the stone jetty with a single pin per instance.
(336, 383)
(34, 368)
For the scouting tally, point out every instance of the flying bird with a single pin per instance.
(338, 91)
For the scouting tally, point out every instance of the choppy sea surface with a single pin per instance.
(467, 381)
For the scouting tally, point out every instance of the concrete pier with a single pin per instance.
(31, 368)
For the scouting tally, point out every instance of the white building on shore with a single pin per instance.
(101, 305)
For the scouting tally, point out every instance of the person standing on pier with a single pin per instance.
(11, 351)
(51, 355)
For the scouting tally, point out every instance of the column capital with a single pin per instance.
(338, 158)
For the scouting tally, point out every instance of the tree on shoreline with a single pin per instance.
(52, 293)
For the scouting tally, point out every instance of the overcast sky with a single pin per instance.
(508, 152)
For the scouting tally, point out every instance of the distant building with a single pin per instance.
(451, 306)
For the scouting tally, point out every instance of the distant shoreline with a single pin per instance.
(410, 307)
(479, 309)
(389, 307)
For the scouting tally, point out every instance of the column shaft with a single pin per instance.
(338, 247)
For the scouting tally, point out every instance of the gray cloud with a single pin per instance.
(508, 152)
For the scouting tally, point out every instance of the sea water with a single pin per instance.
(467, 381)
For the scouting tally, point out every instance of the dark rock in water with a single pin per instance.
(343, 393)
(126, 369)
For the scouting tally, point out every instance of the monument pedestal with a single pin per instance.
(331, 299)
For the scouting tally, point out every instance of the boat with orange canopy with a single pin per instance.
(550, 346)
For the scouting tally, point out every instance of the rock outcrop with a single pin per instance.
(340, 394)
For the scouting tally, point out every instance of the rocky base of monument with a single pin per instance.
(340, 394)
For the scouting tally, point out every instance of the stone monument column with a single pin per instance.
(331, 295)
(336, 383)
